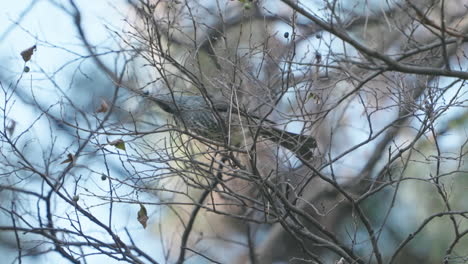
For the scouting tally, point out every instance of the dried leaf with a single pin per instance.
(27, 53)
(314, 97)
(103, 107)
(318, 57)
(118, 143)
(11, 127)
(70, 159)
(142, 216)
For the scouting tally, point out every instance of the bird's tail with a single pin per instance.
(300, 144)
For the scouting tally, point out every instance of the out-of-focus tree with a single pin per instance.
(379, 85)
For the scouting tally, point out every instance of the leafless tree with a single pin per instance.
(380, 85)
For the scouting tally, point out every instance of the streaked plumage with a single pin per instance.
(195, 114)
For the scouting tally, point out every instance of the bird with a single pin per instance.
(216, 120)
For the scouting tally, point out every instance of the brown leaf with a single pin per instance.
(103, 107)
(70, 159)
(27, 53)
(118, 143)
(142, 216)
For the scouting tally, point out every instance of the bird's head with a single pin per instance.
(181, 103)
(168, 103)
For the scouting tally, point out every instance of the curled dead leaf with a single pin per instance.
(103, 107)
(27, 53)
(142, 216)
(11, 127)
(70, 159)
(118, 143)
